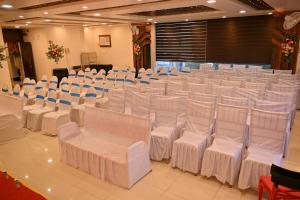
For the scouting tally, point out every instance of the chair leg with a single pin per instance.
(260, 190)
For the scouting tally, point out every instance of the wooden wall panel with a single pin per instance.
(240, 40)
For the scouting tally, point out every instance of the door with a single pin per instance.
(27, 59)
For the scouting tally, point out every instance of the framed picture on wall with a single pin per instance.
(104, 41)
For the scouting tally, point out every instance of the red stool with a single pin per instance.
(282, 184)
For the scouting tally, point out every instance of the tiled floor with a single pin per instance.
(34, 160)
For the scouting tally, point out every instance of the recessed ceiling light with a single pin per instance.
(50, 160)
(47, 20)
(186, 20)
(211, 1)
(242, 11)
(150, 19)
(97, 14)
(28, 22)
(155, 22)
(84, 7)
(270, 13)
(26, 176)
(223, 16)
(103, 23)
(49, 189)
(17, 26)
(84, 25)
(46, 13)
(139, 0)
(110, 25)
(6, 6)
(21, 16)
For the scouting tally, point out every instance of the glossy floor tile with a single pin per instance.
(34, 159)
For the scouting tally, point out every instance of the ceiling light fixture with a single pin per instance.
(84, 25)
(155, 22)
(270, 13)
(84, 7)
(47, 20)
(49, 189)
(150, 19)
(223, 16)
(26, 176)
(186, 20)
(242, 11)
(97, 14)
(211, 1)
(6, 6)
(46, 13)
(139, 0)
(103, 23)
(21, 16)
(28, 22)
(17, 26)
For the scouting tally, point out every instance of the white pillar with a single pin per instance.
(4, 72)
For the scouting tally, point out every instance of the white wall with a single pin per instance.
(79, 39)
(4, 72)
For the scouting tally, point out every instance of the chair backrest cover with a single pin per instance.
(268, 129)
(90, 96)
(231, 123)
(116, 100)
(65, 102)
(16, 90)
(166, 111)
(234, 101)
(140, 104)
(199, 117)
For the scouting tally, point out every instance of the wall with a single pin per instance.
(79, 39)
(4, 72)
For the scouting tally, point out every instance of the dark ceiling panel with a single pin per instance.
(175, 11)
(257, 4)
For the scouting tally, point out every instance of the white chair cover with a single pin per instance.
(16, 90)
(10, 118)
(80, 76)
(116, 100)
(164, 132)
(267, 133)
(234, 101)
(223, 158)
(72, 75)
(53, 120)
(188, 150)
(35, 116)
(140, 104)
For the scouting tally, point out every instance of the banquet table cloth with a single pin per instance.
(111, 146)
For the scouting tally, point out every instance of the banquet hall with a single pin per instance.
(149, 99)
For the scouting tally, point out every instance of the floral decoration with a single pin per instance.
(2, 55)
(137, 49)
(288, 46)
(55, 52)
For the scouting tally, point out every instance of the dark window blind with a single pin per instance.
(181, 41)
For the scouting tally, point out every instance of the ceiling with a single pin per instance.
(37, 13)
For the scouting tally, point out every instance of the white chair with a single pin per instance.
(110, 81)
(72, 75)
(277, 71)
(188, 150)
(267, 133)
(237, 67)
(88, 76)
(203, 97)
(100, 77)
(120, 79)
(140, 104)
(53, 80)
(149, 72)
(44, 80)
(116, 100)
(223, 158)
(94, 73)
(130, 78)
(234, 101)
(197, 88)
(230, 83)
(39, 103)
(85, 87)
(64, 82)
(16, 90)
(80, 76)
(53, 120)
(165, 127)
(75, 95)
(224, 66)
(77, 111)
(174, 85)
(4, 89)
(141, 73)
(35, 116)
